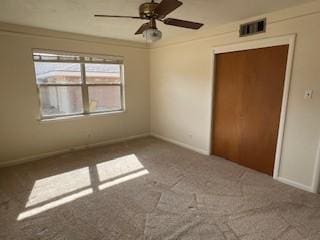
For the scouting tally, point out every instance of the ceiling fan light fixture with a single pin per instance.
(153, 12)
(152, 35)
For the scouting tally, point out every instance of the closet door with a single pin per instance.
(247, 106)
(228, 105)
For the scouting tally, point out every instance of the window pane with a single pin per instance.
(61, 100)
(103, 73)
(57, 73)
(104, 98)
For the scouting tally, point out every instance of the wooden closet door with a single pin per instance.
(247, 106)
(227, 110)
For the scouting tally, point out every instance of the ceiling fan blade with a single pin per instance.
(116, 16)
(143, 28)
(166, 7)
(182, 23)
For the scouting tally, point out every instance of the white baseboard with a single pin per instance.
(71, 149)
(105, 143)
(294, 184)
(205, 152)
(181, 144)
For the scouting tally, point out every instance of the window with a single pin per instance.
(70, 84)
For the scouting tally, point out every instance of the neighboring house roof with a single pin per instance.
(45, 70)
(76, 74)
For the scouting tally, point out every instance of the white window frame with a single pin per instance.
(82, 59)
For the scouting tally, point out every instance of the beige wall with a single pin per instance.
(181, 78)
(180, 74)
(23, 135)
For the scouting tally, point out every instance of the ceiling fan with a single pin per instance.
(154, 12)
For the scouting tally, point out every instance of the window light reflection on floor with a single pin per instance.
(118, 167)
(53, 204)
(57, 190)
(123, 179)
(58, 185)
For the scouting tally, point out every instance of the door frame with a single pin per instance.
(255, 44)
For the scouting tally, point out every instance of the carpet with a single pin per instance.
(150, 189)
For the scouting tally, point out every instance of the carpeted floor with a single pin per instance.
(149, 189)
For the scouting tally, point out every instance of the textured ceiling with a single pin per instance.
(76, 16)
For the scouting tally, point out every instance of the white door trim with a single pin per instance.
(254, 44)
(316, 174)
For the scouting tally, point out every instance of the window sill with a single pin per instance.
(80, 116)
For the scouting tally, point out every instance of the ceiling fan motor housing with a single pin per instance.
(147, 10)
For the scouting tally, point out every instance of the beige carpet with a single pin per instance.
(149, 189)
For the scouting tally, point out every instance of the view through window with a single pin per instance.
(71, 84)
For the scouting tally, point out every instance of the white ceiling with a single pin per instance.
(76, 16)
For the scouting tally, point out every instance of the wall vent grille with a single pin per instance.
(252, 28)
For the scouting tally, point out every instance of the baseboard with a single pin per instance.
(105, 143)
(181, 144)
(294, 184)
(280, 179)
(71, 149)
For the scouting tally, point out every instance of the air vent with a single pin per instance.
(252, 28)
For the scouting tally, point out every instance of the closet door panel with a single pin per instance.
(227, 102)
(247, 106)
(261, 107)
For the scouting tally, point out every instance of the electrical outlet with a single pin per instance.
(308, 94)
